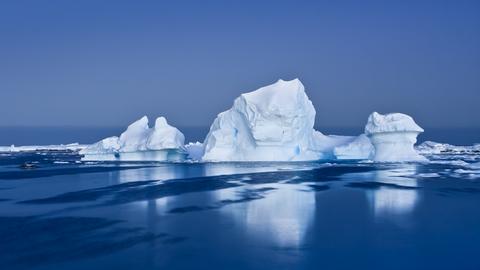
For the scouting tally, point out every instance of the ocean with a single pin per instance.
(64, 213)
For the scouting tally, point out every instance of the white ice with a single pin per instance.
(140, 142)
(28, 148)
(393, 137)
(359, 148)
(273, 123)
(432, 148)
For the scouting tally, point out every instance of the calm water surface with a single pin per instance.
(68, 214)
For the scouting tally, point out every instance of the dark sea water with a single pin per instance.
(70, 214)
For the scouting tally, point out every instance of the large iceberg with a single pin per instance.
(273, 123)
(140, 143)
(393, 137)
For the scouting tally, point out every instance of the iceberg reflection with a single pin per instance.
(151, 173)
(393, 200)
(280, 217)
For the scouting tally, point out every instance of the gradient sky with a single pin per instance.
(107, 63)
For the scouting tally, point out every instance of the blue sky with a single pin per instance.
(107, 63)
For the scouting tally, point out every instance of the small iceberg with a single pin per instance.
(393, 137)
(140, 143)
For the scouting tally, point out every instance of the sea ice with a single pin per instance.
(435, 148)
(30, 148)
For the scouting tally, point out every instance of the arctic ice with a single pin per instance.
(139, 142)
(393, 137)
(272, 123)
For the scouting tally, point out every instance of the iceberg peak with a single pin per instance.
(392, 122)
(164, 136)
(139, 124)
(161, 122)
(134, 138)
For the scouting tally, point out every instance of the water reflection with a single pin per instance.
(255, 167)
(393, 200)
(151, 173)
(280, 218)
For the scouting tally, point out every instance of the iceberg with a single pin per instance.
(393, 137)
(135, 137)
(359, 148)
(139, 142)
(165, 136)
(273, 123)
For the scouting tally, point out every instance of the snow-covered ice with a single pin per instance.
(393, 137)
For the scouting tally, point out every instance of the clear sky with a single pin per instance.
(107, 63)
